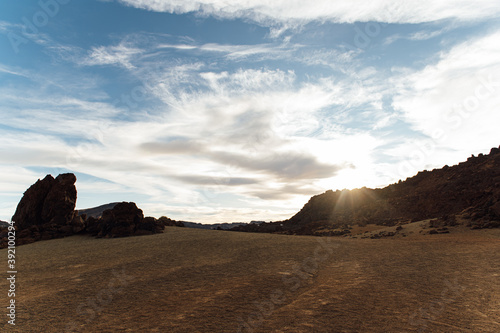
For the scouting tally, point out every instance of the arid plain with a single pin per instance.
(188, 280)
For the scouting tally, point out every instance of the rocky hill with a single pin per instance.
(470, 189)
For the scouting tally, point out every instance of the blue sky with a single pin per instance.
(216, 112)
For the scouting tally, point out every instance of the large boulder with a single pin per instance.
(124, 219)
(47, 202)
(47, 210)
(121, 221)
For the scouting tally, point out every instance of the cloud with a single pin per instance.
(6, 26)
(424, 35)
(216, 181)
(257, 51)
(421, 35)
(56, 115)
(175, 146)
(290, 166)
(286, 191)
(454, 101)
(121, 55)
(7, 70)
(14, 180)
(270, 13)
(236, 52)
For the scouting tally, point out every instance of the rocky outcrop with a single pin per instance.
(48, 201)
(47, 211)
(470, 189)
(166, 222)
(123, 220)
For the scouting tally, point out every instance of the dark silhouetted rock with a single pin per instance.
(47, 210)
(121, 221)
(29, 210)
(78, 224)
(93, 225)
(60, 202)
(166, 222)
(125, 219)
(48, 201)
(149, 225)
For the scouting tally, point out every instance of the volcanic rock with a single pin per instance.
(48, 201)
(125, 219)
(166, 222)
(47, 210)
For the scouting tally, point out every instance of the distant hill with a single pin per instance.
(224, 226)
(4, 224)
(471, 188)
(97, 211)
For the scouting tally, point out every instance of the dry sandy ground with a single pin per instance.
(189, 280)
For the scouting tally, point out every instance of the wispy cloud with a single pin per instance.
(112, 55)
(298, 12)
(456, 98)
(421, 35)
(6, 70)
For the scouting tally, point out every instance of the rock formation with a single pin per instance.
(48, 201)
(123, 220)
(47, 211)
(166, 222)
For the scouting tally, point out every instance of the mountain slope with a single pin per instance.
(471, 188)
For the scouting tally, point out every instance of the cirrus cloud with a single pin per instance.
(299, 11)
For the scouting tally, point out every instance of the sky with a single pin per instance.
(225, 111)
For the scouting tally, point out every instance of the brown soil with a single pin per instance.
(189, 280)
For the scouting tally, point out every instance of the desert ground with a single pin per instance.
(190, 280)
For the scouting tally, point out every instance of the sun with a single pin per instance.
(351, 178)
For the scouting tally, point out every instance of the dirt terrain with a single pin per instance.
(189, 280)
